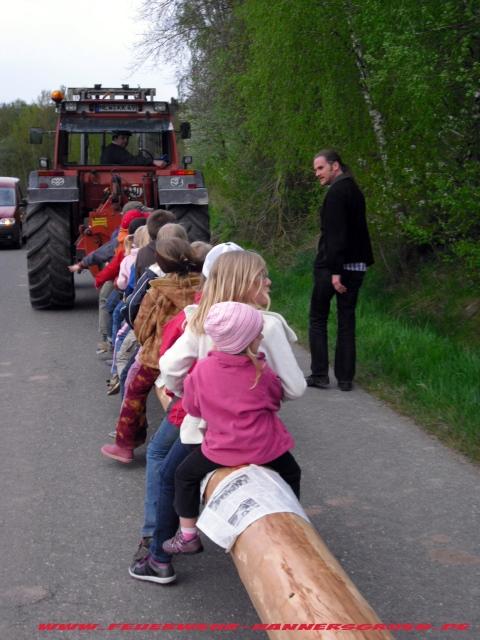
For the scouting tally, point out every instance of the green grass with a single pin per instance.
(406, 359)
(438, 294)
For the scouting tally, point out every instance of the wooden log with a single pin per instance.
(293, 579)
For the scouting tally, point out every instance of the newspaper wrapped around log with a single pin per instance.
(244, 496)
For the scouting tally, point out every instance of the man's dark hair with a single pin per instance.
(157, 219)
(176, 256)
(331, 156)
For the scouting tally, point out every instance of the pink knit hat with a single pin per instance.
(233, 326)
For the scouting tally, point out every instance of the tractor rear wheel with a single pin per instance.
(194, 218)
(49, 252)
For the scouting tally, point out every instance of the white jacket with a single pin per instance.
(125, 267)
(177, 361)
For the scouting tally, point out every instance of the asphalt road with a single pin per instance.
(399, 510)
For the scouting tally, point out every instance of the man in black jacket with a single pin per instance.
(344, 253)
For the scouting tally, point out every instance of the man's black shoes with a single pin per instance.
(323, 382)
(319, 382)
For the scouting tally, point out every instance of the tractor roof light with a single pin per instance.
(57, 95)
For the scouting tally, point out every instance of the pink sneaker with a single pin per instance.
(121, 454)
(178, 544)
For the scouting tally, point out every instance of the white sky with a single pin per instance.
(48, 43)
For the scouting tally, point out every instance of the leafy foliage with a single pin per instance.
(424, 74)
(17, 156)
(394, 86)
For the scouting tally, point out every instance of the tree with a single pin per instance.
(17, 156)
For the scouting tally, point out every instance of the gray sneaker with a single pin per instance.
(152, 571)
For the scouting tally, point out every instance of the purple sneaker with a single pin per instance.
(178, 544)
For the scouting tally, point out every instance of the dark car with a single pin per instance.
(12, 209)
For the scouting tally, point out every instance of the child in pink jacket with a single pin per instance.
(238, 395)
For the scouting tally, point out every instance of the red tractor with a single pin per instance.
(74, 205)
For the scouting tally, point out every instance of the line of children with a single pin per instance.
(168, 431)
(105, 279)
(166, 296)
(168, 230)
(235, 276)
(120, 328)
(99, 257)
(139, 380)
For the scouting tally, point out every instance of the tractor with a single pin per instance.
(75, 203)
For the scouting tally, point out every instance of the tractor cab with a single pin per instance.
(90, 119)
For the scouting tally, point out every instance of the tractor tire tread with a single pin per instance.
(49, 252)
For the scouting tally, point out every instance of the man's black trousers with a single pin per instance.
(322, 294)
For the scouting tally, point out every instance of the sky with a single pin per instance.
(49, 43)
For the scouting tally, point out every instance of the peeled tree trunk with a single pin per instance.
(293, 579)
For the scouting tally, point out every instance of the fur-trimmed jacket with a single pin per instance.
(163, 300)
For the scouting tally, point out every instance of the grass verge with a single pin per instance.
(406, 361)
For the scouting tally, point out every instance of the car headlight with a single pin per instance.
(7, 222)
